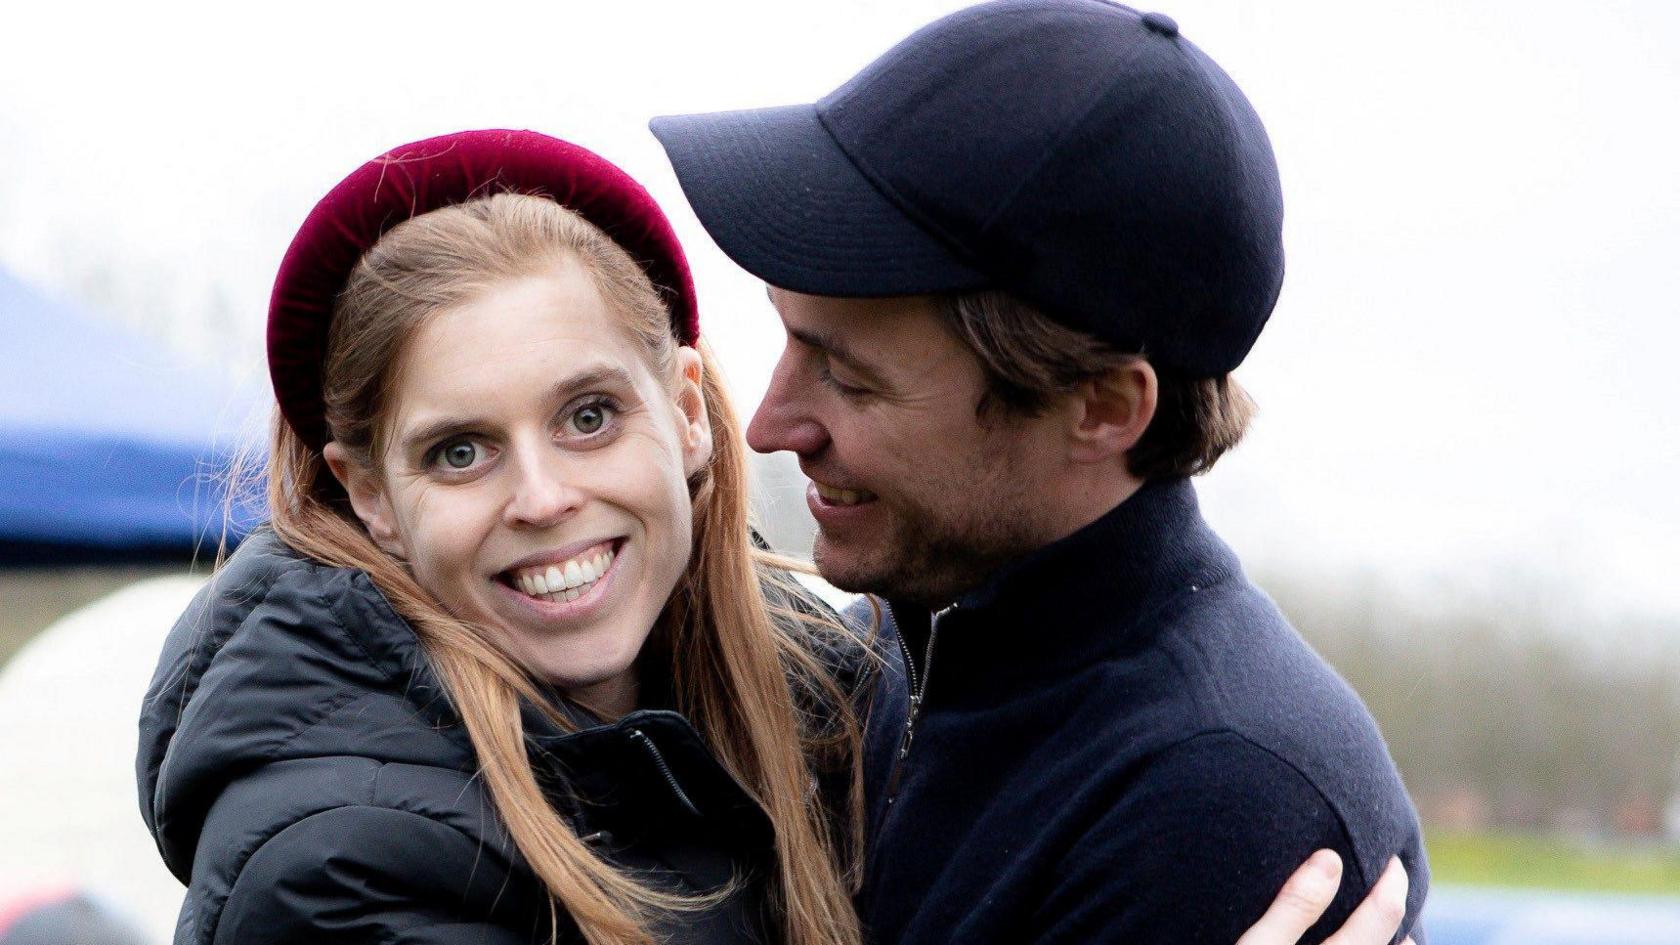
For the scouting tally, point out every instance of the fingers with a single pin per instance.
(1379, 916)
(1303, 899)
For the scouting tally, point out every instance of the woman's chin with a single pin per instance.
(586, 647)
(609, 691)
(573, 679)
(595, 666)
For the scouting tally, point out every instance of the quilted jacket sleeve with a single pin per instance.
(374, 875)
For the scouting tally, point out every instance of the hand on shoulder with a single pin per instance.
(1309, 892)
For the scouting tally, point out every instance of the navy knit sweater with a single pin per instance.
(1120, 739)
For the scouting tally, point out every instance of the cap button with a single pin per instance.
(1161, 23)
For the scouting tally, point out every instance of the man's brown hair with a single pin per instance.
(1030, 359)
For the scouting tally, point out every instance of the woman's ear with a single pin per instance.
(1112, 411)
(691, 403)
(368, 497)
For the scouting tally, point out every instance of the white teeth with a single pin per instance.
(839, 496)
(562, 582)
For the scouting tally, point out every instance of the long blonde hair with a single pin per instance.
(745, 669)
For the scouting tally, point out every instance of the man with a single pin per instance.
(1017, 258)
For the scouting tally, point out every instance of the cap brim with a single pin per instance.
(780, 198)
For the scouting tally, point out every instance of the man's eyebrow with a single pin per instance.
(838, 350)
(567, 387)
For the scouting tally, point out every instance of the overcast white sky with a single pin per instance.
(1470, 373)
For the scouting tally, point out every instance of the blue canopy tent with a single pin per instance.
(110, 448)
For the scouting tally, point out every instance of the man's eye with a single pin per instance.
(459, 455)
(845, 390)
(590, 418)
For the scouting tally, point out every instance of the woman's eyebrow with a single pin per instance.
(603, 375)
(599, 376)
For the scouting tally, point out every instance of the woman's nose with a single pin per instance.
(542, 494)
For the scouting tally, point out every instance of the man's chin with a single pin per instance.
(877, 571)
(912, 566)
(848, 568)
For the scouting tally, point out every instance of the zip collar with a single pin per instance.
(1075, 601)
(653, 755)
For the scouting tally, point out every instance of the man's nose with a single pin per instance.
(783, 420)
(542, 493)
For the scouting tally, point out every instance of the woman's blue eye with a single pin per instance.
(459, 455)
(589, 418)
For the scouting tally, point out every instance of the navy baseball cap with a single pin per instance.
(1078, 154)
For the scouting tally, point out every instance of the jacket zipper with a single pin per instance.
(918, 688)
(640, 738)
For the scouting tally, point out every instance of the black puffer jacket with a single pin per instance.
(303, 774)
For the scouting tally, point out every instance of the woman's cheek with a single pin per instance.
(448, 524)
(646, 468)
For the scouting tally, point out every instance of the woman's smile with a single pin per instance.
(564, 585)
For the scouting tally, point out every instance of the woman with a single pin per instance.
(507, 668)
(318, 771)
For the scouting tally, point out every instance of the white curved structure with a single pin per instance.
(69, 702)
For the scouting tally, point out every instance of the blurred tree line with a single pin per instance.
(1506, 709)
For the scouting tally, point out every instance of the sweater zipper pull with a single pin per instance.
(918, 689)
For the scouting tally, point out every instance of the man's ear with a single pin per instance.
(691, 402)
(368, 497)
(1112, 411)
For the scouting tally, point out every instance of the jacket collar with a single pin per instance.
(1075, 601)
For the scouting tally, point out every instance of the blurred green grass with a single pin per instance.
(1546, 862)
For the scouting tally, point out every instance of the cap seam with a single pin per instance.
(899, 201)
(967, 256)
(1055, 146)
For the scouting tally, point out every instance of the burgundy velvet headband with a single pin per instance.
(424, 176)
